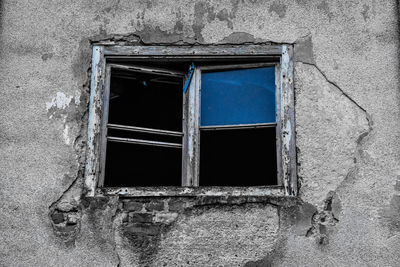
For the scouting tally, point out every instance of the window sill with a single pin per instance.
(192, 191)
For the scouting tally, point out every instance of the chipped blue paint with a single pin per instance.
(187, 83)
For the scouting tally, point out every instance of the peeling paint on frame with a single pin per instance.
(95, 108)
(288, 123)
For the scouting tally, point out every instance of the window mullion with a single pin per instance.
(278, 124)
(191, 142)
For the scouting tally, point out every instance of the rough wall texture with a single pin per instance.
(347, 119)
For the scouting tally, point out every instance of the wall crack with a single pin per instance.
(324, 219)
(336, 86)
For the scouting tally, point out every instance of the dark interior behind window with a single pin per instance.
(245, 157)
(150, 101)
(228, 157)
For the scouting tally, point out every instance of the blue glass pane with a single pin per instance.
(238, 97)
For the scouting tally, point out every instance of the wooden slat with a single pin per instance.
(238, 126)
(144, 130)
(143, 142)
(151, 70)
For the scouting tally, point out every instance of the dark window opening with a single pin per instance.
(239, 157)
(144, 130)
(142, 165)
(144, 136)
(144, 100)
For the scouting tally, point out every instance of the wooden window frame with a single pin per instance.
(280, 56)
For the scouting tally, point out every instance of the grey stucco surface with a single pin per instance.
(347, 121)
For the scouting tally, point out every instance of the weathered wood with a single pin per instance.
(192, 51)
(185, 152)
(95, 115)
(103, 148)
(143, 142)
(151, 70)
(278, 132)
(288, 122)
(144, 130)
(196, 138)
(194, 191)
(191, 151)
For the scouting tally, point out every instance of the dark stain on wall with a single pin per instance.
(365, 12)
(66, 222)
(201, 9)
(47, 56)
(82, 60)
(390, 215)
(278, 8)
(303, 50)
(98, 215)
(241, 38)
(154, 35)
(295, 219)
(324, 6)
(224, 15)
(143, 232)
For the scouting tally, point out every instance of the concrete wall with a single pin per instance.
(347, 121)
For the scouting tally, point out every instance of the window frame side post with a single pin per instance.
(288, 145)
(104, 129)
(94, 120)
(185, 141)
(278, 125)
(196, 167)
(191, 142)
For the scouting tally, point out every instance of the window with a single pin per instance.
(199, 117)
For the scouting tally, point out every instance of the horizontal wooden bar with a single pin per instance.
(143, 130)
(216, 191)
(151, 70)
(238, 126)
(142, 142)
(172, 51)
